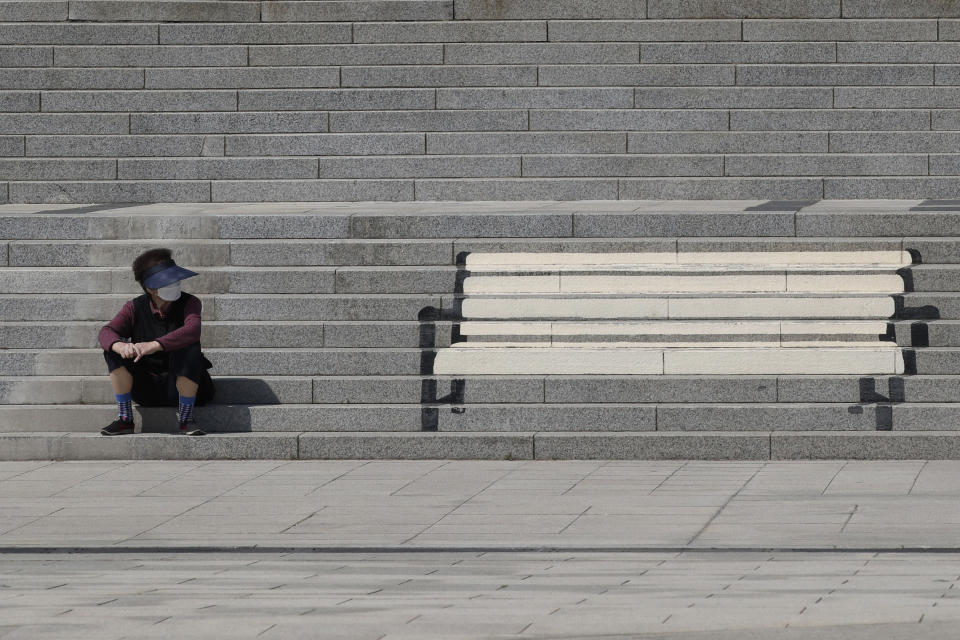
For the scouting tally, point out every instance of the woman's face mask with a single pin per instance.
(170, 292)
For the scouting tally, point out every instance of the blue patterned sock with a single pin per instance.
(124, 406)
(185, 412)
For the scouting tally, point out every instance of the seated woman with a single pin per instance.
(152, 347)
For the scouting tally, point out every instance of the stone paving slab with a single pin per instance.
(444, 504)
(387, 550)
(664, 596)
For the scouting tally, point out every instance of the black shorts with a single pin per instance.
(155, 377)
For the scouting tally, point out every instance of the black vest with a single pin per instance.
(148, 327)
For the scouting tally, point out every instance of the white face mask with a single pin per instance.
(170, 292)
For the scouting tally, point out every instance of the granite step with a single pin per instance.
(238, 307)
(575, 389)
(799, 445)
(445, 278)
(174, 222)
(81, 334)
(400, 220)
(228, 362)
(304, 280)
(568, 416)
(399, 306)
(296, 220)
(245, 334)
(282, 445)
(878, 223)
(97, 390)
(923, 333)
(301, 389)
(851, 389)
(45, 445)
(480, 219)
(861, 445)
(936, 444)
(383, 361)
(268, 249)
(216, 252)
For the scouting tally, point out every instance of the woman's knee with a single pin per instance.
(113, 361)
(188, 362)
(189, 355)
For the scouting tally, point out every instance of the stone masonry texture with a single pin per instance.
(244, 100)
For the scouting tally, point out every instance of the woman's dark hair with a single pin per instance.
(148, 259)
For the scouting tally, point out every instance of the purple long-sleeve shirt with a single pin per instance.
(122, 327)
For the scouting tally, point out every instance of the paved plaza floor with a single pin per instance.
(438, 549)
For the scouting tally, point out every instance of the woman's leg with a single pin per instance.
(185, 386)
(187, 364)
(121, 380)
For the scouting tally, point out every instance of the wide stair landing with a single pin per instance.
(734, 329)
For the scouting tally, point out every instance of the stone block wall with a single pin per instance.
(198, 101)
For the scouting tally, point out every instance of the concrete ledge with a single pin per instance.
(29, 446)
(856, 389)
(884, 223)
(696, 417)
(663, 224)
(925, 445)
(252, 446)
(301, 417)
(515, 224)
(660, 388)
(81, 446)
(416, 446)
(548, 417)
(884, 445)
(411, 389)
(16, 419)
(929, 416)
(479, 390)
(205, 225)
(652, 446)
(603, 417)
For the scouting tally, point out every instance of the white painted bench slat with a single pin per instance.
(615, 284)
(679, 308)
(705, 313)
(526, 261)
(680, 327)
(645, 361)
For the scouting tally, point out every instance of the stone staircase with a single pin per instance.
(726, 329)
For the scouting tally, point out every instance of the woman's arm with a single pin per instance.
(188, 333)
(118, 329)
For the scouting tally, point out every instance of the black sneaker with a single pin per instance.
(187, 430)
(117, 428)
